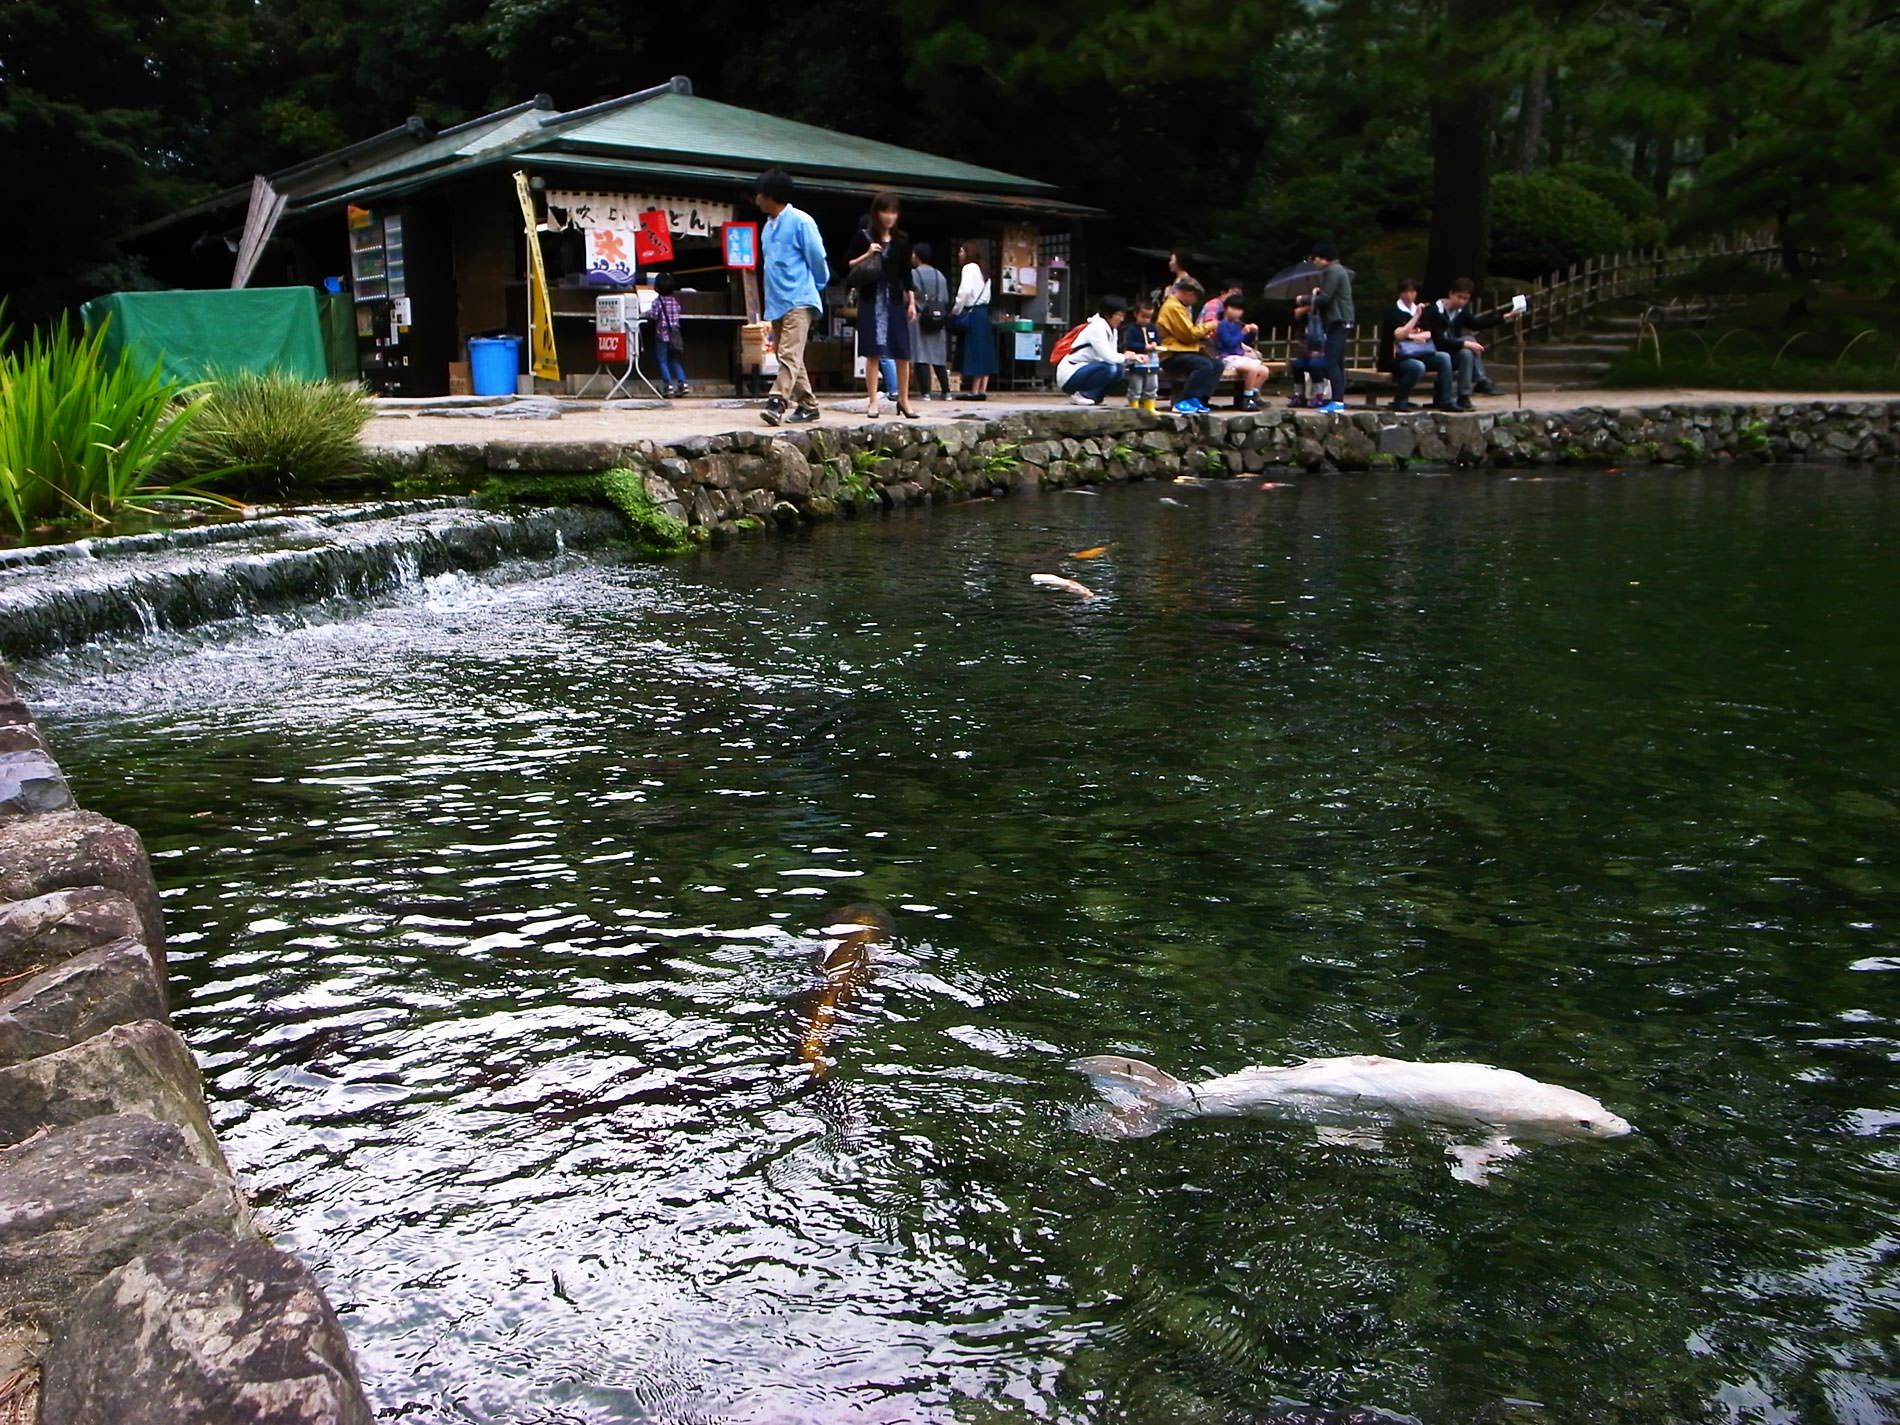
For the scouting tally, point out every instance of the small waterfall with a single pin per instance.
(65, 596)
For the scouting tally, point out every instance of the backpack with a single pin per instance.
(932, 316)
(1065, 344)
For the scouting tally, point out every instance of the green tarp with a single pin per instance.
(197, 335)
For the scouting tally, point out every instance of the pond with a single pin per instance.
(495, 913)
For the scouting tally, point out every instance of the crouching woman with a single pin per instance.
(1095, 361)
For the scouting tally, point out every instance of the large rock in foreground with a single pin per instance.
(142, 1069)
(213, 1331)
(80, 1202)
(62, 850)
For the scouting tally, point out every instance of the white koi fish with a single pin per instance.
(1056, 581)
(1349, 1098)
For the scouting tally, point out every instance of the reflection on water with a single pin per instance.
(495, 912)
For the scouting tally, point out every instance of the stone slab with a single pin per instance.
(42, 930)
(141, 1069)
(77, 998)
(81, 1202)
(71, 849)
(213, 1329)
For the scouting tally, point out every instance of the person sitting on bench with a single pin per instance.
(1408, 352)
(1449, 320)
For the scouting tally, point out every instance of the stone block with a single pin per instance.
(213, 1328)
(30, 782)
(142, 1070)
(793, 473)
(60, 924)
(20, 737)
(553, 457)
(78, 998)
(13, 708)
(81, 1202)
(1399, 440)
(64, 850)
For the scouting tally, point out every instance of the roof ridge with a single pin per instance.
(678, 84)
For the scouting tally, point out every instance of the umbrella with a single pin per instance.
(1295, 281)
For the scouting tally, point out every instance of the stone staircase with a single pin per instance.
(1577, 359)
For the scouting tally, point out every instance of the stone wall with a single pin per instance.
(724, 483)
(133, 1283)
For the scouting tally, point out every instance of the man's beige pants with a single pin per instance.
(794, 383)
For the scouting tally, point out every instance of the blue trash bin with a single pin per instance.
(493, 364)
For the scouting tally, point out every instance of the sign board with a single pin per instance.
(741, 244)
(1021, 248)
(685, 217)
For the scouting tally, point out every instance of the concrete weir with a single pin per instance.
(134, 1284)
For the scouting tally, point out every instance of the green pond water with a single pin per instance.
(494, 913)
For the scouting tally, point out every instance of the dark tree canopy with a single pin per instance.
(1243, 128)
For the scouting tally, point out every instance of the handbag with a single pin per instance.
(932, 316)
(868, 270)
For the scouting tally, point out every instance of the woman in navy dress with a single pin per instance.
(972, 309)
(880, 274)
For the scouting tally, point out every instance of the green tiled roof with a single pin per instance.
(680, 126)
(659, 133)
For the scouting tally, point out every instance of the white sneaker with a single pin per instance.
(1078, 399)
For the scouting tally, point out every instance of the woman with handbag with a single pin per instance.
(879, 272)
(972, 313)
(930, 338)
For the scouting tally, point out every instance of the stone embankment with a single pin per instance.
(725, 483)
(134, 1285)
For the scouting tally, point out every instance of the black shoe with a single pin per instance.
(774, 411)
(1464, 404)
(1403, 405)
(804, 415)
(1484, 388)
(1442, 406)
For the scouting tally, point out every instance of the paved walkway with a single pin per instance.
(676, 420)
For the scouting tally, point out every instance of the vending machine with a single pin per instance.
(379, 288)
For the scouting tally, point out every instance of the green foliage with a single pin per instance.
(278, 433)
(1841, 343)
(653, 528)
(1003, 460)
(81, 435)
(620, 489)
(1541, 222)
(1614, 185)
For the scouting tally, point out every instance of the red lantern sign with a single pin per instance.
(653, 239)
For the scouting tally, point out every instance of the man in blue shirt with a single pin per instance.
(793, 257)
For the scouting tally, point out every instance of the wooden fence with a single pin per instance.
(1563, 300)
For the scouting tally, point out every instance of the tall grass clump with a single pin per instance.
(85, 435)
(278, 432)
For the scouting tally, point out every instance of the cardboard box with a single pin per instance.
(460, 382)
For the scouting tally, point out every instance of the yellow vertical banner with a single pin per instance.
(541, 355)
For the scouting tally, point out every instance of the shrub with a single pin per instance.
(1614, 185)
(1541, 222)
(279, 432)
(81, 434)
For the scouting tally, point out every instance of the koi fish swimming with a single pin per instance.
(854, 933)
(1056, 581)
(1351, 1097)
(1095, 553)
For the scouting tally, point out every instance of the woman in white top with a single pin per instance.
(972, 310)
(1095, 360)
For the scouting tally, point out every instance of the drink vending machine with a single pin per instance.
(379, 286)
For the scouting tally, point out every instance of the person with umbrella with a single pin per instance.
(1331, 301)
